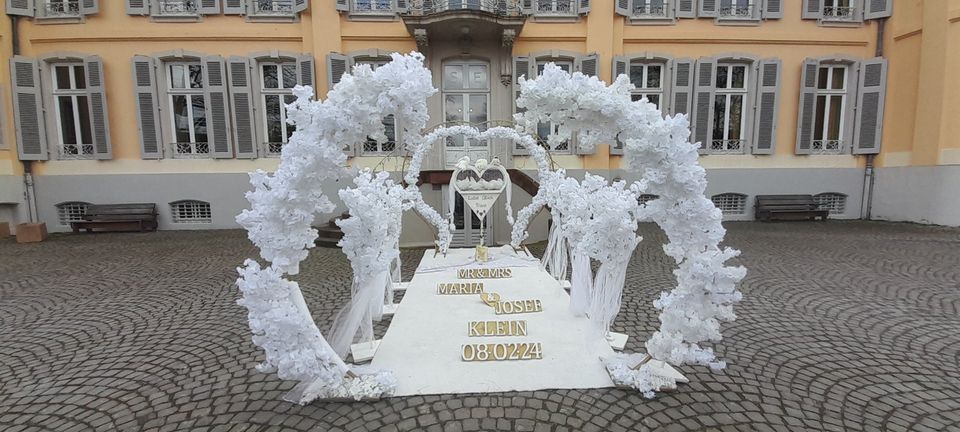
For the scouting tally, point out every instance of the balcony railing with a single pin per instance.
(827, 147)
(177, 7)
(554, 7)
(272, 149)
(76, 151)
(65, 8)
(649, 11)
(273, 7)
(737, 11)
(373, 6)
(840, 13)
(732, 146)
(496, 7)
(190, 150)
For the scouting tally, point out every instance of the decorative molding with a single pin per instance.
(508, 37)
(908, 34)
(74, 39)
(632, 40)
(420, 35)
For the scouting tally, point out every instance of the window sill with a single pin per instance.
(272, 18)
(556, 18)
(839, 23)
(67, 19)
(651, 21)
(738, 21)
(373, 16)
(175, 18)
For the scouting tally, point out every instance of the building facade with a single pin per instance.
(174, 101)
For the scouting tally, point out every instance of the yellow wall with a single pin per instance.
(9, 165)
(922, 42)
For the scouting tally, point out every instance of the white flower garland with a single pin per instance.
(658, 149)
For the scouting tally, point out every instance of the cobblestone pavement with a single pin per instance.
(843, 326)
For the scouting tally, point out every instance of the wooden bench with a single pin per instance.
(118, 217)
(793, 206)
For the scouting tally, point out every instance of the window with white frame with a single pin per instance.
(72, 110)
(828, 126)
(277, 80)
(546, 129)
(736, 9)
(178, 7)
(833, 201)
(839, 10)
(190, 211)
(71, 212)
(187, 108)
(371, 146)
(60, 8)
(272, 7)
(730, 203)
(729, 119)
(650, 8)
(647, 77)
(375, 6)
(554, 7)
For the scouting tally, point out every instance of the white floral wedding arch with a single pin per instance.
(284, 205)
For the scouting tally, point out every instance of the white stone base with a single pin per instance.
(390, 309)
(364, 351)
(617, 340)
(400, 286)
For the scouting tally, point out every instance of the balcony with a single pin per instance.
(61, 9)
(828, 147)
(731, 146)
(373, 7)
(502, 8)
(273, 7)
(177, 8)
(738, 12)
(554, 7)
(840, 14)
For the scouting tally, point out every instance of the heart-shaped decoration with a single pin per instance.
(480, 184)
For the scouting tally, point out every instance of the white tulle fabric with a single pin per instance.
(600, 220)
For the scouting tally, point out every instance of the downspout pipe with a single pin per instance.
(869, 174)
(29, 192)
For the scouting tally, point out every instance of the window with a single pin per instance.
(376, 6)
(72, 110)
(187, 108)
(546, 129)
(60, 8)
(371, 146)
(177, 7)
(554, 7)
(71, 212)
(833, 201)
(839, 10)
(272, 7)
(729, 119)
(730, 203)
(828, 129)
(190, 211)
(650, 8)
(648, 80)
(277, 79)
(643, 199)
(736, 9)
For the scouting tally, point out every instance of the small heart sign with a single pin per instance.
(480, 185)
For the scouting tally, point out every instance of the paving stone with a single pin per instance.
(843, 326)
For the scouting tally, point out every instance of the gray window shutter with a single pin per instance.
(337, 65)
(584, 6)
(215, 89)
(878, 9)
(89, 7)
(234, 7)
(620, 64)
(871, 95)
(708, 8)
(138, 7)
(812, 9)
(703, 101)
(588, 64)
(241, 100)
(527, 6)
(97, 100)
(144, 86)
(305, 71)
(772, 9)
(682, 87)
(686, 8)
(767, 106)
(343, 5)
(28, 109)
(622, 7)
(401, 6)
(300, 5)
(209, 7)
(21, 8)
(808, 105)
